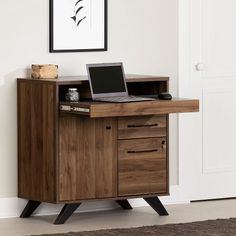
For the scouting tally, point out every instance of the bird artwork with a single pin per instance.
(78, 17)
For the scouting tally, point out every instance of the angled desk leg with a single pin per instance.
(124, 204)
(29, 208)
(66, 213)
(156, 204)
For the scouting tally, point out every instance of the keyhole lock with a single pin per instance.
(163, 145)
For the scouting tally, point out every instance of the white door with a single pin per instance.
(208, 139)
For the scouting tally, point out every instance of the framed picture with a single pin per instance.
(78, 25)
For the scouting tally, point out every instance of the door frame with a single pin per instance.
(181, 193)
(184, 65)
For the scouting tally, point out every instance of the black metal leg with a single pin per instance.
(124, 204)
(66, 212)
(156, 204)
(29, 208)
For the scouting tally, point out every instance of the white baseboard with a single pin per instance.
(12, 207)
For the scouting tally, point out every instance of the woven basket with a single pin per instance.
(44, 71)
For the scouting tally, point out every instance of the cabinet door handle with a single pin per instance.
(142, 151)
(140, 126)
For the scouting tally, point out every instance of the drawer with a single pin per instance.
(146, 108)
(142, 166)
(142, 127)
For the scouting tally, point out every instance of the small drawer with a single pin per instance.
(141, 127)
(142, 166)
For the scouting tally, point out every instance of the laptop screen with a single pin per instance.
(106, 79)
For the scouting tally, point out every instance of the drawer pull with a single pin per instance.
(142, 151)
(140, 126)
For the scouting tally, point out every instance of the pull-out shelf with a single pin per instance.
(158, 107)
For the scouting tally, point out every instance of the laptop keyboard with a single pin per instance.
(124, 99)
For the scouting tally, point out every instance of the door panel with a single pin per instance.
(219, 130)
(88, 158)
(207, 140)
(219, 37)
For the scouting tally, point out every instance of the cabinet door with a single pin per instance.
(142, 166)
(87, 159)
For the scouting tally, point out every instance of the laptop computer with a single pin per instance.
(107, 83)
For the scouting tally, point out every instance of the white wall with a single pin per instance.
(142, 34)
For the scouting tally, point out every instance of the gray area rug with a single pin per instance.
(218, 227)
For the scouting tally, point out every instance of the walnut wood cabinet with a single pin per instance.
(75, 152)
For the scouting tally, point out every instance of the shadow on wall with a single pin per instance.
(8, 134)
(12, 76)
(8, 91)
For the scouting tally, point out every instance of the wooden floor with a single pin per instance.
(119, 218)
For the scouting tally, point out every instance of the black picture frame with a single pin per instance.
(52, 48)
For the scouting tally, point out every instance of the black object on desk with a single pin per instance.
(164, 96)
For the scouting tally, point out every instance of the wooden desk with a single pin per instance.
(75, 152)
